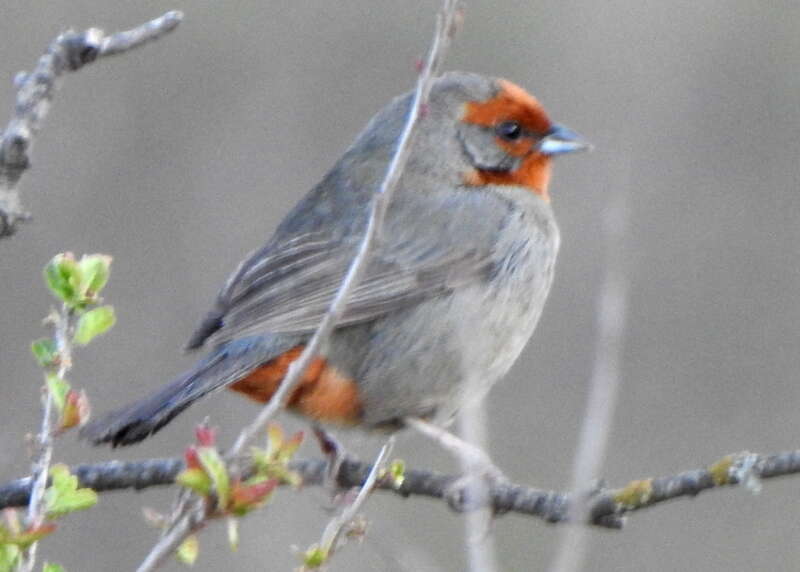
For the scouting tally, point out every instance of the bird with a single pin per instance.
(451, 292)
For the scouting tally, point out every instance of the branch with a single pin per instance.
(607, 506)
(187, 510)
(69, 52)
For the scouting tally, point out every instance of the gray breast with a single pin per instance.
(513, 297)
(428, 359)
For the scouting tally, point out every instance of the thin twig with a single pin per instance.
(607, 506)
(176, 533)
(331, 536)
(40, 466)
(69, 52)
(612, 309)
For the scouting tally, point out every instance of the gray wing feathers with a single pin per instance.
(289, 289)
(294, 298)
(430, 246)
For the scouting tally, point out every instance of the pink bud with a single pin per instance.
(206, 436)
(191, 458)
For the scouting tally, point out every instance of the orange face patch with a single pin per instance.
(512, 103)
(323, 393)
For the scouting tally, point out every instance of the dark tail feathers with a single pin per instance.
(223, 366)
(141, 419)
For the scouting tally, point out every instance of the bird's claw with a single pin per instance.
(474, 490)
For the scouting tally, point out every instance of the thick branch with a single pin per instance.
(69, 52)
(607, 506)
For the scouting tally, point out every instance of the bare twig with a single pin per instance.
(607, 506)
(338, 525)
(603, 387)
(445, 28)
(69, 52)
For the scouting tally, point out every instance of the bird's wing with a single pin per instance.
(288, 287)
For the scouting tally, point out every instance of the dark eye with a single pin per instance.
(509, 130)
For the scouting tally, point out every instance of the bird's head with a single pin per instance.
(508, 139)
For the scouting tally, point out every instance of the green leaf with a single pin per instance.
(63, 277)
(45, 352)
(23, 538)
(93, 323)
(94, 269)
(397, 471)
(315, 556)
(52, 567)
(188, 550)
(250, 495)
(9, 557)
(275, 438)
(289, 447)
(196, 480)
(63, 496)
(215, 468)
(58, 388)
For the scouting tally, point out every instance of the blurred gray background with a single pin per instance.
(179, 158)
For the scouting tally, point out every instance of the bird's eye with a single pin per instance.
(509, 130)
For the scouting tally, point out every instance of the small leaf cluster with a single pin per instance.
(273, 461)
(207, 475)
(62, 497)
(77, 284)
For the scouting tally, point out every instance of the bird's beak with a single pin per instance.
(562, 140)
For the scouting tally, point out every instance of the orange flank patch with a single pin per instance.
(323, 393)
(512, 103)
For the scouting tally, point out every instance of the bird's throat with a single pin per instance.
(533, 174)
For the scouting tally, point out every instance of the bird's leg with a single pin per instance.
(334, 453)
(463, 493)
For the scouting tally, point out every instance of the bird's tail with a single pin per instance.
(142, 418)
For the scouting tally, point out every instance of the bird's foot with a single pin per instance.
(472, 490)
(335, 454)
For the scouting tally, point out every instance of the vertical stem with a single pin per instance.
(481, 553)
(611, 315)
(44, 454)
